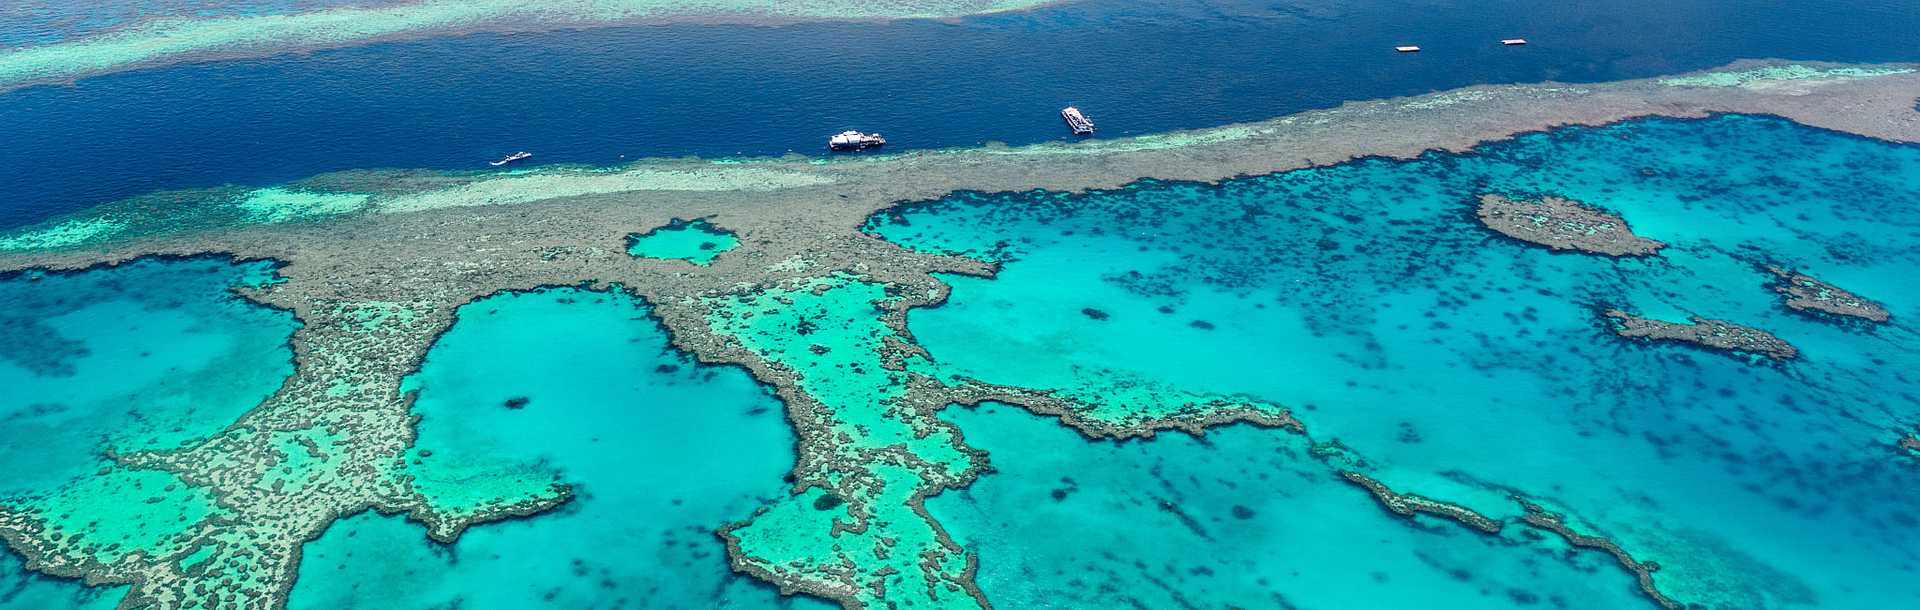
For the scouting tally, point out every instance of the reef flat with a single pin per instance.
(1408, 505)
(811, 300)
(1564, 224)
(180, 39)
(1802, 292)
(1642, 570)
(1711, 334)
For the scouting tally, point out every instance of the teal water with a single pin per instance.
(1464, 366)
(580, 387)
(695, 241)
(31, 591)
(148, 355)
(1258, 525)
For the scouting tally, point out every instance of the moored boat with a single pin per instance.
(510, 158)
(854, 140)
(1081, 125)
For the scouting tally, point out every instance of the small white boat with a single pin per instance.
(1514, 42)
(1081, 125)
(510, 158)
(854, 140)
(1407, 49)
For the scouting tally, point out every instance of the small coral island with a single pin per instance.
(1408, 505)
(1801, 292)
(1711, 334)
(1564, 224)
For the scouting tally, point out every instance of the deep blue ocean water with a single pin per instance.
(600, 96)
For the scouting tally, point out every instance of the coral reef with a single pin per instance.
(1801, 292)
(1642, 570)
(806, 302)
(1564, 224)
(1408, 505)
(1712, 334)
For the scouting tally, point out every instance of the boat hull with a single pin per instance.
(854, 140)
(1079, 123)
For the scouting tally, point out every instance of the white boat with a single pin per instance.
(510, 158)
(1407, 49)
(854, 140)
(1081, 125)
(1514, 42)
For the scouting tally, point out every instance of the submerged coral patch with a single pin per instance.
(163, 41)
(65, 234)
(272, 205)
(1772, 75)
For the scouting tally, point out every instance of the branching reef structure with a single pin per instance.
(375, 264)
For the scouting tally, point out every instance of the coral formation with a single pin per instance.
(1564, 224)
(1712, 334)
(1801, 292)
(807, 303)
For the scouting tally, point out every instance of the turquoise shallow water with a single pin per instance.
(148, 355)
(581, 387)
(1464, 366)
(694, 241)
(1255, 524)
(36, 22)
(1459, 364)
